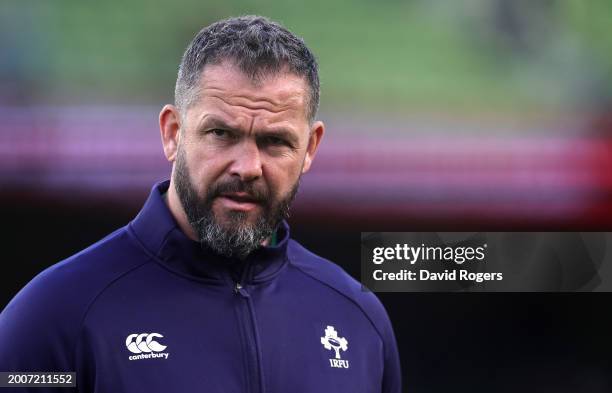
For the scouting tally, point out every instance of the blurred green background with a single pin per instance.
(460, 56)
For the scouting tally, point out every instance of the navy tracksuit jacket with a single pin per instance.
(147, 310)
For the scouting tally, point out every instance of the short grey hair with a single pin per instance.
(257, 45)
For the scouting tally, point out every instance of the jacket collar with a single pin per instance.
(157, 230)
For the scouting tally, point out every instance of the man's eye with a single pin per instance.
(220, 133)
(273, 140)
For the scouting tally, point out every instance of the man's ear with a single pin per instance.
(316, 133)
(169, 126)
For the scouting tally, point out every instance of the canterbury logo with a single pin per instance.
(145, 346)
(141, 345)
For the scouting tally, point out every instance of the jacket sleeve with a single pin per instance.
(392, 375)
(37, 333)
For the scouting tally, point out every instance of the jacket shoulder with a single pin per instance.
(40, 325)
(333, 276)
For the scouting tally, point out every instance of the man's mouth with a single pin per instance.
(238, 201)
(240, 197)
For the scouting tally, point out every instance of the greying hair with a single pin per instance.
(257, 45)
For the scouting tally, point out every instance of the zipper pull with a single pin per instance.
(239, 289)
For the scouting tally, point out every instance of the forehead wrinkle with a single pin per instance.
(225, 119)
(256, 104)
(250, 107)
(250, 129)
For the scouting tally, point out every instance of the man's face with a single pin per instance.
(241, 151)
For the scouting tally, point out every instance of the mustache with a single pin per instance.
(257, 192)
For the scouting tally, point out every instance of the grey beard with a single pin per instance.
(236, 239)
(237, 242)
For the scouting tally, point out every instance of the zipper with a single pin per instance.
(248, 325)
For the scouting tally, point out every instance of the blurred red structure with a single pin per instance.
(392, 179)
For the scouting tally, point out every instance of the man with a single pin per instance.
(204, 290)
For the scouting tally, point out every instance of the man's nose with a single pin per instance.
(247, 162)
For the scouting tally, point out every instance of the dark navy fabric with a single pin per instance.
(146, 309)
